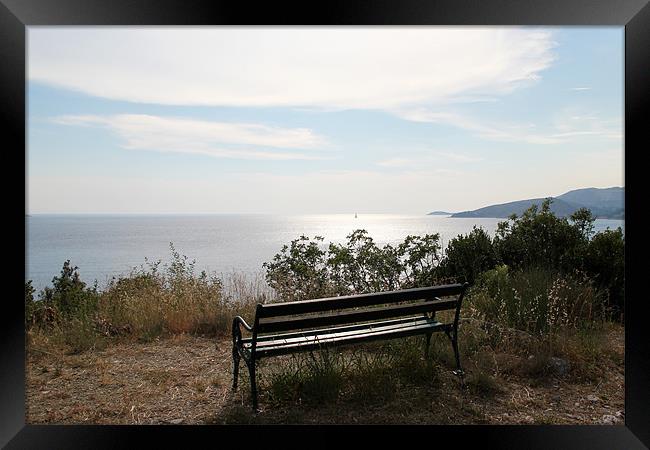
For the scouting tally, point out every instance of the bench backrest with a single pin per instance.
(352, 309)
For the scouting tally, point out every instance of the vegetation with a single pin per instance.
(152, 301)
(538, 242)
(544, 292)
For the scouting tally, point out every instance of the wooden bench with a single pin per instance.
(290, 327)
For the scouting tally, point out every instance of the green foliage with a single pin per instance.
(149, 302)
(421, 256)
(68, 298)
(312, 378)
(154, 300)
(299, 271)
(306, 269)
(536, 300)
(469, 255)
(605, 262)
(30, 307)
(361, 266)
(541, 239)
(364, 375)
(537, 242)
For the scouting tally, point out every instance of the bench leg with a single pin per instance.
(251, 371)
(235, 366)
(427, 345)
(454, 343)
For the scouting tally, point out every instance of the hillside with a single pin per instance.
(605, 203)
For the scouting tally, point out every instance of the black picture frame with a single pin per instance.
(634, 15)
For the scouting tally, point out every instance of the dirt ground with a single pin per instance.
(187, 379)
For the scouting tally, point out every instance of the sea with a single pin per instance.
(106, 246)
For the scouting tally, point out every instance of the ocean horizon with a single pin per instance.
(111, 245)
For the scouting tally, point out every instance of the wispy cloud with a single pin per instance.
(216, 139)
(332, 68)
(425, 162)
(460, 157)
(580, 89)
(396, 162)
(563, 129)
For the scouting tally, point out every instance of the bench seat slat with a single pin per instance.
(312, 342)
(270, 337)
(272, 324)
(351, 301)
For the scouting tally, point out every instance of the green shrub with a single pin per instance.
(605, 262)
(538, 238)
(30, 306)
(149, 302)
(467, 256)
(172, 299)
(536, 300)
(361, 266)
(306, 269)
(299, 271)
(69, 295)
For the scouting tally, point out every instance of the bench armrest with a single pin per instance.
(237, 323)
(239, 320)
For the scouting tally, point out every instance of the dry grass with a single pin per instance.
(186, 379)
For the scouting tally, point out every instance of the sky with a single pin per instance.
(317, 120)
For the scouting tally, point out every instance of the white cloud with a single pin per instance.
(217, 139)
(581, 89)
(385, 68)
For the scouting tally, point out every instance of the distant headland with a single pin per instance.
(606, 203)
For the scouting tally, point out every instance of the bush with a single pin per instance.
(605, 262)
(67, 299)
(145, 304)
(306, 269)
(541, 239)
(536, 300)
(299, 271)
(69, 296)
(469, 255)
(30, 307)
(362, 266)
(151, 301)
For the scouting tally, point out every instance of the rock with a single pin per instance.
(608, 419)
(559, 366)
(176, 421)
(592, 398)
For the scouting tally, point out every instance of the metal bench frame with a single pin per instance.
(344, 320)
